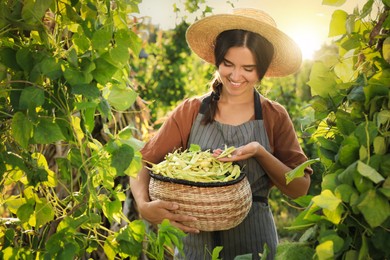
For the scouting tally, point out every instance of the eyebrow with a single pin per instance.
(245, 66)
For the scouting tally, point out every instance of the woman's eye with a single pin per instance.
(248, 69)
(227, 64)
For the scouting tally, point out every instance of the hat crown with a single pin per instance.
(255, 14)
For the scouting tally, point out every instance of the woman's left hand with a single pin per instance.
(241, 153)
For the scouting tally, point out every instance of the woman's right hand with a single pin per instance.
(158, 210)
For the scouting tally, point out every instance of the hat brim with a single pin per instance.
(202, 34)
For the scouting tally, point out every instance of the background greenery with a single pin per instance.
(81, 87)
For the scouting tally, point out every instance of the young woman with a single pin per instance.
(245, 47)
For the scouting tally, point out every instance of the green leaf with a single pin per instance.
(87, 90)
(366, 171)
(130, 238)
(101, 38)
(331, 235)
(47, 132)
(81, 42)
(21, 129)
(122, 99)
(344, 123)
(333, 2)
(8, 57)
(325, 251)
(44, 212)
(299, 171)
(327, 200)
(383, 118)
(69, 250)
(104, 70)
(112, 210)
(36, 176)
(334, 216)
(329, 182)
(322, 81)
(76, 77)
(293, 251)
(216, 251)
(345, 68)
(24, 59)
(121, 158)
(349, 151)
(374, 207)
(345, 191)
(380, 146)
(366, 132)
(31, 98)
(338, 23)
(25, 211)
(51, 68)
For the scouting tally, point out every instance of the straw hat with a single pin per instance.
(202, 34)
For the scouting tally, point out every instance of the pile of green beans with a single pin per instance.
(197, 166)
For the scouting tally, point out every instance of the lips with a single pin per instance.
(235, 84)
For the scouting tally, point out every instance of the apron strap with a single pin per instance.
(258, 110)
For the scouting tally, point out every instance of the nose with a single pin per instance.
(235, 74)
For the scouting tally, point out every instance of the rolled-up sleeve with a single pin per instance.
(174, 132)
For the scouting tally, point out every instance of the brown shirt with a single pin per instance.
(175, 132)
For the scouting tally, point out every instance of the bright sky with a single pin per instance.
(306, 21)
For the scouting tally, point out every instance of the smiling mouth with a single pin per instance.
(236, 84)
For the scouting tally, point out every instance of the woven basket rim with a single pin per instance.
(197, 184)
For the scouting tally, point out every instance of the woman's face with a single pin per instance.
(238, 71)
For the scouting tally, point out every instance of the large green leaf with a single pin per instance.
(121, 158)
(322, 81)
(21, 129)
(51, 68)
(112, 210)
(47, 132)
(344, 123)
(101, 38)
(327, 200)
(104, 70)
(374, 207)
(130, 238)
(122, 99)
(345, 69)
(24, 59)
(25, 211)
(44, 212)
(31, 98)
(76, 77)
(338, 23)
(369, 172)
(349, 151)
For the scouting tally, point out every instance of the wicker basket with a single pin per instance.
(217, 206)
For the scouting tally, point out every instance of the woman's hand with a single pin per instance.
(241, 153)
(156, 211)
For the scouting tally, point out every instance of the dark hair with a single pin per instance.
(261, 48)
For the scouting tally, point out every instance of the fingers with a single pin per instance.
(186, 229)
(166, 211)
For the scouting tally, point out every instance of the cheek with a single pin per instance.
(223, 71)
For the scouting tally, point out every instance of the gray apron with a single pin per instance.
(258, 228)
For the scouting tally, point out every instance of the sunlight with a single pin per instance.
(309, 42)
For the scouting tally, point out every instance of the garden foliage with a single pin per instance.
(349, 219)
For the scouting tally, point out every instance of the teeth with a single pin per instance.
(235, 83)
